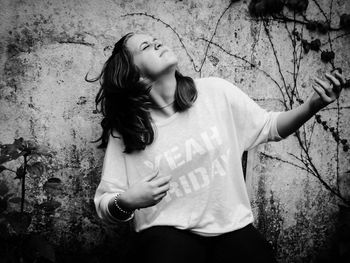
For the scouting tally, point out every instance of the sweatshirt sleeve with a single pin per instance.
(113, 179)
(254, 124)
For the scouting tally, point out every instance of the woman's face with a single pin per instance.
(151, 56)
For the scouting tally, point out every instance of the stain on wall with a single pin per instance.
(47, 47)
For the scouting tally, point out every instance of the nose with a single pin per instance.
(157, 45)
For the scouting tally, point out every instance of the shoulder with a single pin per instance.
(216, 85)
(212, 80)
(115, 141)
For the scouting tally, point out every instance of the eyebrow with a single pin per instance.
(145, 42)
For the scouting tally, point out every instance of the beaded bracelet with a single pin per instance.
(119, 208)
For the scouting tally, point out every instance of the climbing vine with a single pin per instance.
(262, 10)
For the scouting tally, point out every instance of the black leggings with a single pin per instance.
(167, 245)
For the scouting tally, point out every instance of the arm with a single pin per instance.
(289, 121)
(147, 192)
(113, 180)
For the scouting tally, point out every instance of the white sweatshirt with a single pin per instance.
(201, 149)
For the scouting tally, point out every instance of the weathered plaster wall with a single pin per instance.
(47, 47)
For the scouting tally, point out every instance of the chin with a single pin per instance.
(173, 60)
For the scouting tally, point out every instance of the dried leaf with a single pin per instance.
(297, 5)
(3, 188)
(18, 143)
(20, 172)
(345, 21)
(54, 180)
(50, 206)
(37, 168)
(3, 204)
(53, 186)
(29, 145)
(15, 200)
(9, 152)
(327, 56)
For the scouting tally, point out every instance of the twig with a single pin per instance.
(284, 161)
(276, 58)
(23, 181)
(251, 65)
(208, 43)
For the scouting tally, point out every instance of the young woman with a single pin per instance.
(173, 158)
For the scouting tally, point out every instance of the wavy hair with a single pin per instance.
(124, 100)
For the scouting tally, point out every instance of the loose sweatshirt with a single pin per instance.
(201, 149)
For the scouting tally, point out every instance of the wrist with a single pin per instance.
(315, 105)
(117, 212)
(124, 202)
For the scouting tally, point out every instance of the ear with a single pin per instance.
(146, 81)
(142, 80)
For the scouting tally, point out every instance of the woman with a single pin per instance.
(173, 158)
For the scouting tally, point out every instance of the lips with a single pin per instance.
(163, 52)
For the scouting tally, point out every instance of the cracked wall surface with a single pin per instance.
(47, 48)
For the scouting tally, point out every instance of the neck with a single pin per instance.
(163, 94)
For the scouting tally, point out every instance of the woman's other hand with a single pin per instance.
(147, 192)
(325, 92)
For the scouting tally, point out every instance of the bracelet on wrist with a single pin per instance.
(124, 211)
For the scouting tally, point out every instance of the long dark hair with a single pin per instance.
(124, 100)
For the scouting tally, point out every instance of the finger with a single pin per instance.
(151, 176)
(161, 180)
(160, 196)
(324, 85)
(321, 93)
(163, 189)
(333, 79)
(340, 77)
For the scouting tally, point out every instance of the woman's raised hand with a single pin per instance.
(147, 192)
(326, 92)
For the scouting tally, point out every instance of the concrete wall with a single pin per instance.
(47, 47)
